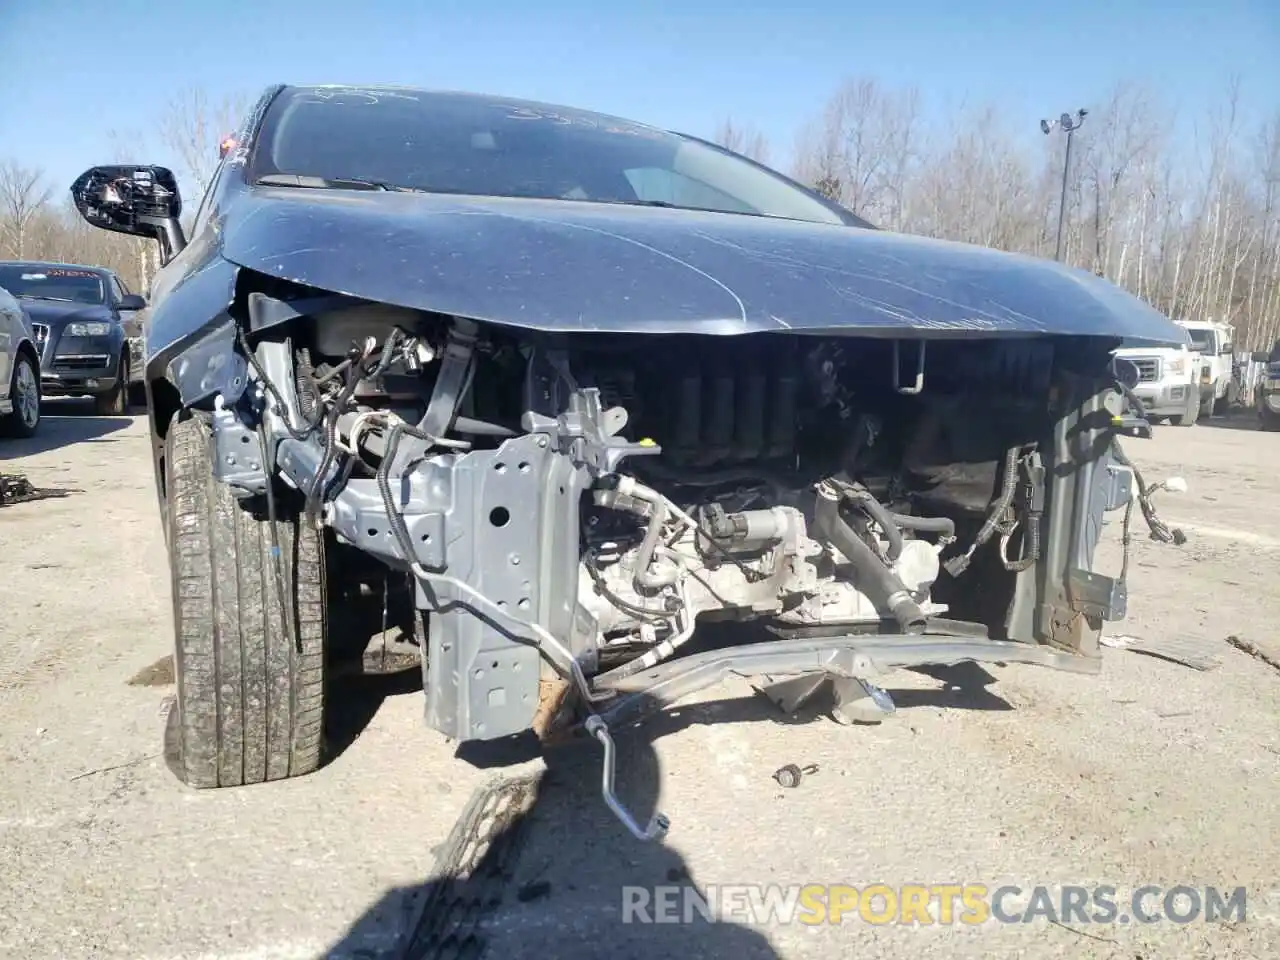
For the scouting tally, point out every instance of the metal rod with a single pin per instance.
(1069, 125)
(658, 825)
(1062, 203)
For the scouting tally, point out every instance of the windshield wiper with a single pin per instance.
(36, 296)
(667, 204)
(328, 183)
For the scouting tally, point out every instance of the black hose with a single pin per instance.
(399, 529)
(874, 574)
(878, 513)
(941, 525)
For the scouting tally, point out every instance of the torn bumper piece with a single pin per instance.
(837, 657)
(845, 662)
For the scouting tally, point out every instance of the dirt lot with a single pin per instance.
(1154, 773)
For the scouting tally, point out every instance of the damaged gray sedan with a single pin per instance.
(559, 387)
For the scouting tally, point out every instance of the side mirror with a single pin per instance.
(140, 200)
(131, 301)
(1125, 371)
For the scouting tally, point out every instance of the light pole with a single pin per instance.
(1069, 124)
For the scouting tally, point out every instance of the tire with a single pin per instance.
(136, 395)
(1206, 406)
(115, 403)
(1223, 404)
(23, 421)
(1189, 418)
(250, 698)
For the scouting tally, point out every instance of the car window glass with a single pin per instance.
(202, 211)
(657, 185)
(44, 282)
(463, 144)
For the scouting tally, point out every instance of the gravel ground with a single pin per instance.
(1153, 773)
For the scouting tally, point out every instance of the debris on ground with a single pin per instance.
(790, 775)
(158, 674)
(15, 488)
(1271, 659)
(1187, 653)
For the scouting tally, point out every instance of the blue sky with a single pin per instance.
(74, 70)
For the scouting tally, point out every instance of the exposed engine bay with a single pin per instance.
(569, 508)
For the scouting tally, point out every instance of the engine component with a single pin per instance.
(873, 573)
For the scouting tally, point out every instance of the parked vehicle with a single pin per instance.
(578, 384)
(1167, 380)
(1213, 342)
(1267, 391)
(88, 331)
(19, 370)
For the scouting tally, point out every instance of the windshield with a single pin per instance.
(1202, 341)
(38, 282)
(469, 144)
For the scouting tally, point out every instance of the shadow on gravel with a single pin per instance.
(537, 864)
(536, 867)
(60, 430)
(1235, 421)
(354, 699)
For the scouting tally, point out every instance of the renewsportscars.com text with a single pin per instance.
(970, 904)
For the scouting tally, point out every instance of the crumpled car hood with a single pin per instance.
(557, 265)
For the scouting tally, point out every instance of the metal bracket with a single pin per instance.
(238, 455)
(1119, 489)
(587, 433)
(918, 386)
(1098, 594)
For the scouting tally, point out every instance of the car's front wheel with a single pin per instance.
(115, 402)
(24, 393)
(249, 626)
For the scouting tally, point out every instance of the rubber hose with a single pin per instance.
(941, 525)
(649, 545)
(878, 513)
(874, 573)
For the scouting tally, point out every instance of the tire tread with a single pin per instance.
(249, 704)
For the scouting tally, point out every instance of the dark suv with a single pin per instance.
(88, 330)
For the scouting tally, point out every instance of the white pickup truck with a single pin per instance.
(1167, 380)
(1213, 342)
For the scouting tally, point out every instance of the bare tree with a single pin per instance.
(746, 140)
(23, 195)
(191, 128)
(1192, 228)
(861, 147)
